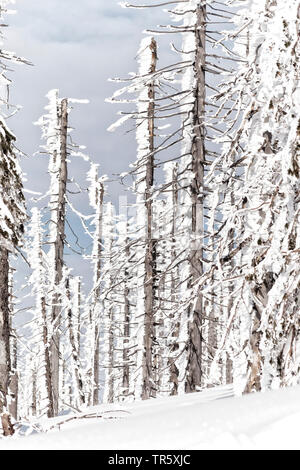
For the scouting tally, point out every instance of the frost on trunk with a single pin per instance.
(192, 196)
(109, 320)
(40, 291)
(96, 195)
(55, 131)
(12, 217)
(73, 326)
(272, 208)
(167, 268)
(14, 375)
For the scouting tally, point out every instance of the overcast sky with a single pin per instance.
(75, 46)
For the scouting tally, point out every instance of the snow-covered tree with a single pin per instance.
(12, 217)
(258, 250)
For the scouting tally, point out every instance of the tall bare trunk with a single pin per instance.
(74, 350)
(148, 389)
(59, 255)
(126, 370)
(5, 360)
(45, 333)
(111, 364)
(174, 371)
(97, 277)
(194, 367)
(14, 379)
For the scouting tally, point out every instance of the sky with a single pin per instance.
(75, 46)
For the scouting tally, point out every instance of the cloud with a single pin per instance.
(75, 21)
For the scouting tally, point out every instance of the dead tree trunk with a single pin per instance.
(148, 382)
(5, 360)
(260, 294)
(34, 393)
(111, 365)
(74, 349)
(45, 333)
(97, 278)
(59, 254)
(14, 380)
(126, 370)
(174, 372)
(194, 366)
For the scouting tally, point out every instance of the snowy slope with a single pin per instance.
(198, 421)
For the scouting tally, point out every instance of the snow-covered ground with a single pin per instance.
(208, 420)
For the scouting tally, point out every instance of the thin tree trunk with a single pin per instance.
(194, 366)
(99, 235)
(111, 339)
(148, 382)
(74, 350)
(126, 370)
(59, 254)
(260, 300)
(34, 393)
(14, 380)
(174, 371)
(5, 360)
(50, 411)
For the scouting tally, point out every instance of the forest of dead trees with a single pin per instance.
(196, 281)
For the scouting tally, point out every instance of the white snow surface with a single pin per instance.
(204, 420)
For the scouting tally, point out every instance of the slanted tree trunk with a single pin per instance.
(5, 360)
(59, 255)
(194, 366)
(148, 382)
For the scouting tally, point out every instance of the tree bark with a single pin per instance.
(99, 235)
(5, 360)
(59, 255)
(7, 427)
(174, 371)
(126, 369)
(74, 350)
(14, 380)
(194, 366)
(50, 411)
(148, 382)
